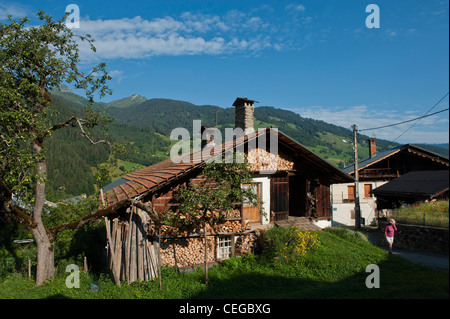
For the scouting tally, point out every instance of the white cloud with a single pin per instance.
(189, 34)
(433, 129)
(117, 75)
(295, 7)
(17, 10)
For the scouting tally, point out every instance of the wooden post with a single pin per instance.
(101, 196)
(159, 256)
(117, 251)
(111, 250)
(140, 248)
(206, 254)
(242, 215)
(85, 265)
(357, 206)
(29, 268)
(133, 251)
(128, 245)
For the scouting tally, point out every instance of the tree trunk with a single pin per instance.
(45, 256)
(44, 240)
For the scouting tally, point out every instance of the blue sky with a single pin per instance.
(314, 57)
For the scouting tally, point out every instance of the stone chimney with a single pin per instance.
(207, 134)
(372, 146)
(244, 114)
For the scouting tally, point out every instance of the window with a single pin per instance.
(351, 194)
(254, 189)
(367, 190)
(224, 247)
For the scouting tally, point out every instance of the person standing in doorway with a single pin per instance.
(389, 232)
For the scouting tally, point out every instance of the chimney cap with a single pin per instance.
(241, 100)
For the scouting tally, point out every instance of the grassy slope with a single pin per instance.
(336, 269)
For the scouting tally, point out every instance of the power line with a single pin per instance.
(415, 119)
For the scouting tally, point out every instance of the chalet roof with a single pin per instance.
(151, 178)
(365, 163)
(418, 183)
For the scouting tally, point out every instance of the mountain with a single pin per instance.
(437, 148)
(72, 160)
(442, 145)
(128, 101)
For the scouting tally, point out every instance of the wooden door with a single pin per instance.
(323, 201)
(249, 210)
(279, 197)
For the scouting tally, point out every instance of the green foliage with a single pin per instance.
(288, 245)
(211, 200)
(33, 61)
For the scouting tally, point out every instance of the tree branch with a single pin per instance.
(7, 207)
(83, 133)
(80, 125)
(105, 212)
(63, 124)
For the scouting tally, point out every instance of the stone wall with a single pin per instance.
(424, 238)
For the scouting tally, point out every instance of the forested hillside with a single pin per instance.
(72, 159)
(148, 124)
(329, 141)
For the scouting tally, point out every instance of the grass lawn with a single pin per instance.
(333, 269)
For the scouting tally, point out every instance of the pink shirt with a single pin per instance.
(389, 230)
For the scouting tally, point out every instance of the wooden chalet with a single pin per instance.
(413, 187)
(393, 163)
(376, 170)
(290, 182)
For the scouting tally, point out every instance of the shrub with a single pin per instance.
(288, 245)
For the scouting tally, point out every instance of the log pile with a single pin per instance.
(185, 252)
(232, 224)
(246, 244)
(131, 256)
(260, 160)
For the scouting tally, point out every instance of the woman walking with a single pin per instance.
(389, 232)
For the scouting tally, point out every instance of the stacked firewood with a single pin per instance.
(261, 160)
(184, 252)
(246, 243)
(232, 224)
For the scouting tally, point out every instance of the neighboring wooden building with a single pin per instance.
(375, 171)
(289, 179)
(413, 187)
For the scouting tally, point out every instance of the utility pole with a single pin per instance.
(357, 206)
